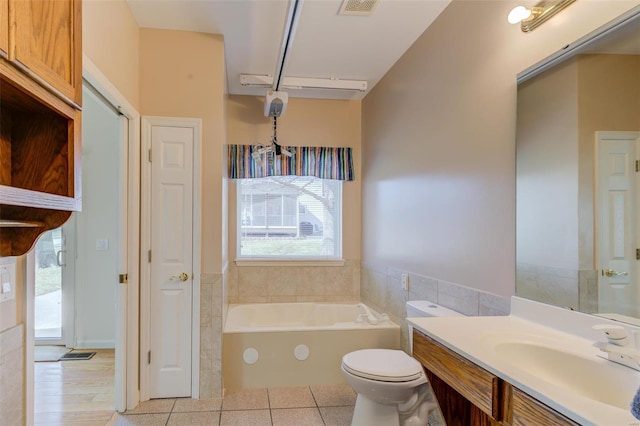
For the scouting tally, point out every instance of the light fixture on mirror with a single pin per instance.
(532, 17)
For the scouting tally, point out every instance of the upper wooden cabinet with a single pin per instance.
(4, 27)
(40, 119)
(47, 36)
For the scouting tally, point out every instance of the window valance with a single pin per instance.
(321, 162)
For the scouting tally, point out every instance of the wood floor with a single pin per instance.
(75, 392)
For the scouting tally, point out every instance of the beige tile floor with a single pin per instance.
(327, 405)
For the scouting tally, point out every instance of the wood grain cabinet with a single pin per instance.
(40, 119)
(470, 395)
(4, 28)
(48, 43)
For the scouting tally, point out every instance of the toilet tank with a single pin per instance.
(425, 308)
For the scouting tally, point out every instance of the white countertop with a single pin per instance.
(474, 338)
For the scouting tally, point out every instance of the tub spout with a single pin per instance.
(369, 316)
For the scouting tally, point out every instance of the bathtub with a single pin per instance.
(296, 344)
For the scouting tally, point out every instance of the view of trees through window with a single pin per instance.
(289, 217)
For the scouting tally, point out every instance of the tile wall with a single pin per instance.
(11, 381)
(558, 286)
(381, 289)
(211, 307)
(278, 284)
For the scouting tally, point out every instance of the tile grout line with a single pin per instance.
(269, 403)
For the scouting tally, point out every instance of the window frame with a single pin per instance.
(252, 260)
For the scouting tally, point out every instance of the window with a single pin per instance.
(289, 217)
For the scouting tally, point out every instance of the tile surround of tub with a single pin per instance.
(211, 308)
(277, 284)
(11, 383)
(381, 289)
(555, 286)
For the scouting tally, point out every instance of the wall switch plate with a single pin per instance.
(7, 280)
(404, 280)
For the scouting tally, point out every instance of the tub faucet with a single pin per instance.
(368, 315)
(618, 347)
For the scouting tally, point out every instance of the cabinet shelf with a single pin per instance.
(20, 224)
(27, 198)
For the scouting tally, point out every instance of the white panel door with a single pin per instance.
(171, 261)
(616, 224)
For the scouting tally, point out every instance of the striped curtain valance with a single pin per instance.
(321, 162)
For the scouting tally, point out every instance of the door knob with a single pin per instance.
(182, 277)
(612, 273)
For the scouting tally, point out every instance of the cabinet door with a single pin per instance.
(48, 42)
(528, 411)
(4, 27)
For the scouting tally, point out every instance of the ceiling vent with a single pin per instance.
(358, 7)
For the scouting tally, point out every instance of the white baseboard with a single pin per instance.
(95, 344)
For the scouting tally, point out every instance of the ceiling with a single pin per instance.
(326, 45)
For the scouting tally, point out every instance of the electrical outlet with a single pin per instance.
(404, 279)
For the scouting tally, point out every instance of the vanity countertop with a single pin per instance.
(562, 370)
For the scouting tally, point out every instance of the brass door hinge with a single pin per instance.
(150, 156)
(149, 357)
(123, 278)
(638, 254)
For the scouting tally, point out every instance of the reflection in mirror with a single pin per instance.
(578, 202)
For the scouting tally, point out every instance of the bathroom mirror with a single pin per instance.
(577, 190)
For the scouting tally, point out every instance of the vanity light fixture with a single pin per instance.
(531, 18)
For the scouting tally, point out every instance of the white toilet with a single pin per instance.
(391, 385)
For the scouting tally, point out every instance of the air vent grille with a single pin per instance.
(358, 7)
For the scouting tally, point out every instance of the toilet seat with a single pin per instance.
(383, 365)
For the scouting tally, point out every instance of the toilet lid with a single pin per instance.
(384, 365)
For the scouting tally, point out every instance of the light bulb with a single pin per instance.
(518, 14)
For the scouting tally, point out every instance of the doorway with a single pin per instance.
(50, 275)
(77, 271)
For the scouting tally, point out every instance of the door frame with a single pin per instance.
(147, 122)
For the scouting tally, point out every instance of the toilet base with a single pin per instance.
(368, 412)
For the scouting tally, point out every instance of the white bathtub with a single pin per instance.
(296, 344)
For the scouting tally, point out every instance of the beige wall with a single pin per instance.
(547, 169)
(110, 38)
(307, 122)
(604, 104)
(438, 143)
(182, 76)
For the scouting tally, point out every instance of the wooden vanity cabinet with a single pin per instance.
(40, 119)
(525, 411)
(470, 395)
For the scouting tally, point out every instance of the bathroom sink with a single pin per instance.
(586, 375)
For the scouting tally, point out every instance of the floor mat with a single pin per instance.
(69, 356)
(48, 353)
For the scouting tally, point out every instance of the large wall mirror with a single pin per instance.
(578, 193)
